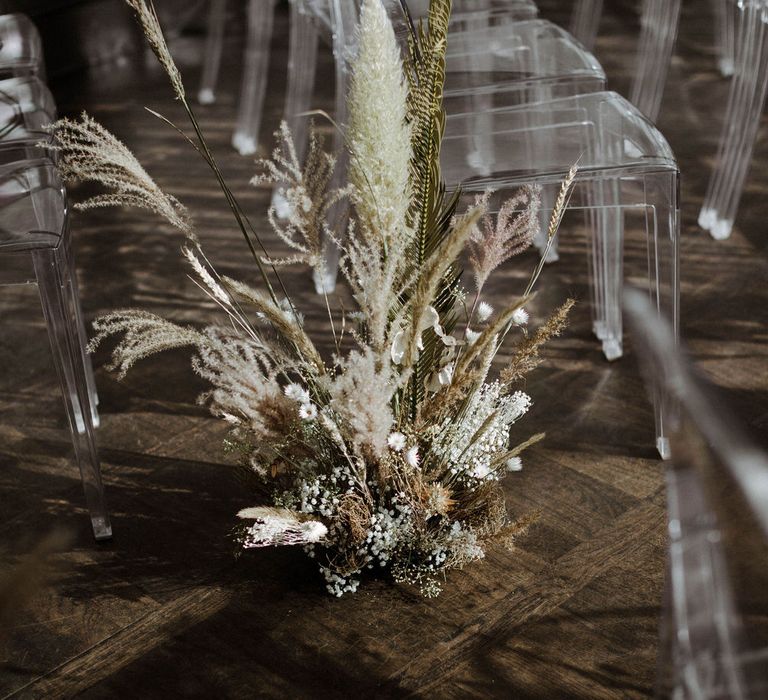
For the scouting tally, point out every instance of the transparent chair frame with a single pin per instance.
(21, 51)
(725, 12)
(714, 631)
(255, 65)
(628, 177)
(35, 247)
(742, 120)
(26, 108)
(659, 21)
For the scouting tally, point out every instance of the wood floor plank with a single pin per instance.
(166, 611)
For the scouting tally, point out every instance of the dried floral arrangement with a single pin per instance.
(389, 455)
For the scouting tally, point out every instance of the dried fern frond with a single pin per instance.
(90, 153)
(426, 77)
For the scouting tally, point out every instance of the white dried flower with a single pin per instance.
(520, 317)
(278, 526)
(472, 336)
(396, 441)
(484, 311)
(296, 392)
(481, 471)
(514, 464)
(397, 352)
(308, 411)
(412, 456)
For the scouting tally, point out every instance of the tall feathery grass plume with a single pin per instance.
(375, 262)
(90, 153)
(379, 134)
(389, 456)
(153, 32)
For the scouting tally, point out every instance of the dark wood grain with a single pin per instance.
(165, 610)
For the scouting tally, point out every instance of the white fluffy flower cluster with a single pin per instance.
(338, 585)
(471, 447)
(387, 529)
(321, 495)
(307, 410)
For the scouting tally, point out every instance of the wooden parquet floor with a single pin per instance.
(164, 610)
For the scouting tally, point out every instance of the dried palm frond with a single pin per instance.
(278, 526)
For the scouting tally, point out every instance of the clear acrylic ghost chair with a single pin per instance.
(585, 21)
(469, 14)
(35, 247)
(659, 21)
(21, 50)
(714, 631)
(26, 108)
(500, 66)
(255, 65)
(627, 177)
(742, 119)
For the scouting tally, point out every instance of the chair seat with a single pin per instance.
(599, 131)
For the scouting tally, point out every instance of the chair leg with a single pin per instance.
(260, 20)
(57, 299)
(214, 43)
(74, 292)
(585, 21)
(659, 21)
(748, 92)
(663, 255)
(300, 85)
(607, 264)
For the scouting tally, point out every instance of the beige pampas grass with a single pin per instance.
(379, 133)
(90, 153)
(150, 24)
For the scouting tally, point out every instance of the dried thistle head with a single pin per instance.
(440, 499)
(493, 242)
